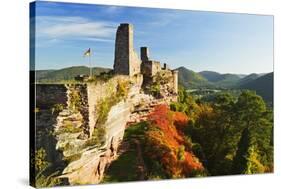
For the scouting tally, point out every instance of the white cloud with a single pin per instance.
(52, 27)
(98, 39)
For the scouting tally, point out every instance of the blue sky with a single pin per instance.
(197, 40)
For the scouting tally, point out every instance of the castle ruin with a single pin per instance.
(127, 62)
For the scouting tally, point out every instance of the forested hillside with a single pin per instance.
(66, 73)
(262, 84)
(230, 135)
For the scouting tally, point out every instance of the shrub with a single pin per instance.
(68, 127)
(47, 181)
(75, 100)
(155, 90)
(41, 164)
(103, 108)
(181, 153)
(57, 108)
(122, 89)
(97, 137)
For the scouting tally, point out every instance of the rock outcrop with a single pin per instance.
(90, 122)
(91, 158)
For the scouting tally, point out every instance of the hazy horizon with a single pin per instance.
(55, 69)
(198, 40)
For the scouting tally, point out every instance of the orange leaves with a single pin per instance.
(166, 143)
(180, 120)
(191, 163)
(161, 124)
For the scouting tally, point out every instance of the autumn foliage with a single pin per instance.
(166, 143)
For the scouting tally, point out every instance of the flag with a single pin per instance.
(88, 52)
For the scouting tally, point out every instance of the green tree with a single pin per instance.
(253, 162)
(213, 129)
(234, 133)
(240, 160)
(253, 116)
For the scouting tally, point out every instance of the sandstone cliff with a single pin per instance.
(88, 121)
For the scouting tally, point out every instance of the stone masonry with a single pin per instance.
(126, 61)
(148, 67)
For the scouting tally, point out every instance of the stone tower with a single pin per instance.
(144, 54)
(126, 61)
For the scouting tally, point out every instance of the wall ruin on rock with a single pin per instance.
(75, 126)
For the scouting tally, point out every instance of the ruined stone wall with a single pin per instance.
(98, 91)
(156, 67)
(47, 95)
(134, 63)
(92, 159)
(144, 54)
(175, 80)
(78, 93)
(150, 68)
(81, 159)
(85, 157)
(126, 61)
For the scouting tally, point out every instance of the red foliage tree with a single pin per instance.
(165, 142)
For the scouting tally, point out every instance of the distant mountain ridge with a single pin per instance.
(67, 73)
(211, 76)
(191, 79)
(263, 86)
(248, 78)
(206, 79)
(261, 83)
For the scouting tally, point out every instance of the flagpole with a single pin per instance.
(90, 65)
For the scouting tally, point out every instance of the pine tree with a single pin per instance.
(240, 160)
